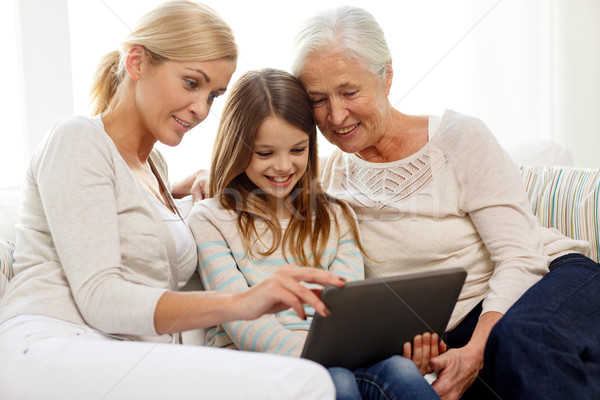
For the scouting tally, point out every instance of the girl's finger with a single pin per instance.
(426, 354)
(407, 350)
(434, 346)
(417, 350)
(443, 347)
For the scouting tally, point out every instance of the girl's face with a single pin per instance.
(350, 103)
(174, 96)
(280, 158)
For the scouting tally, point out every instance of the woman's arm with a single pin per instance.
(493, 197)
(194, 184)
(181, 311)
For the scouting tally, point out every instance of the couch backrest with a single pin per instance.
(566, 198)
(10, 201)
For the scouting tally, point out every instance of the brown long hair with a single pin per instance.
(254, 97)
(178, 30)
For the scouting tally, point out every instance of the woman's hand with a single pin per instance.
(423, 349)
(283, 290)
(195, 184)
(458, 368)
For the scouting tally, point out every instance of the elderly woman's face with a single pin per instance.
(349, 102)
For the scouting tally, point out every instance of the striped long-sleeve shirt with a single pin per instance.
(223, 264)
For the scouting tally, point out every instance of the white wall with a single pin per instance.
(529, 69)
(45, 66)
(576, 78)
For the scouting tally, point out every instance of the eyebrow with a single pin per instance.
(304, 141)
(340, 86)
(206, 77)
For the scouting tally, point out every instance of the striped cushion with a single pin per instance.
(566, 199)
(6, 261)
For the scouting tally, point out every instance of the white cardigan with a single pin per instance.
(91, 246)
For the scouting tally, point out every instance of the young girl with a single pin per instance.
(266, 209)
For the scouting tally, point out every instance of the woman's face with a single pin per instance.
(173, 97)
(349, 102)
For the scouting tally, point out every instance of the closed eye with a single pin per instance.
(298, 150)
(263, 153)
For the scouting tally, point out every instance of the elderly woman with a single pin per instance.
(430, 192)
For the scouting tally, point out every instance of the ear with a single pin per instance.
(134, 60)
(389, 75)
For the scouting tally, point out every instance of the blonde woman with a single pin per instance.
(93, 308)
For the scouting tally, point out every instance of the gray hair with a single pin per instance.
(350, 31)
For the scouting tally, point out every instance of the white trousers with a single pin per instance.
(46, 358)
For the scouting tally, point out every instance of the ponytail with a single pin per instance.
(106, 82)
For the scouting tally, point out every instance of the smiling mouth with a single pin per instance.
(186, 125)
(280, 180)
(345, 131)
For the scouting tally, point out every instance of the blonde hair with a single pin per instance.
(255, 96)
(176, 30)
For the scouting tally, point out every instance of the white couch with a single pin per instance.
(562, 197)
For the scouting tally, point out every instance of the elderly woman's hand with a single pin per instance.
(195, 184)
(458, 369)
(199, 187)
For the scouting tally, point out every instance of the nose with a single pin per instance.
(200, 109)
(337, 112)
(283, 164)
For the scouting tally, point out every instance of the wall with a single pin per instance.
(576, 78)
(45, 63)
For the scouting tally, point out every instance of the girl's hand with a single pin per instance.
(423, 349)
(283, 290)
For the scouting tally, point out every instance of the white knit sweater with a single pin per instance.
(458, 202)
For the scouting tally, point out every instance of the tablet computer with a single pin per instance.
(372, 319)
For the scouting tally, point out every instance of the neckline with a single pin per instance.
(97, 119)
(434, 125)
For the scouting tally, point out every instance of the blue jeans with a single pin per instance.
(394, 378)
(547, 346)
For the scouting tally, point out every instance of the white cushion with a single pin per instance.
(10, 201)
(7, 249)
(541, 152)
